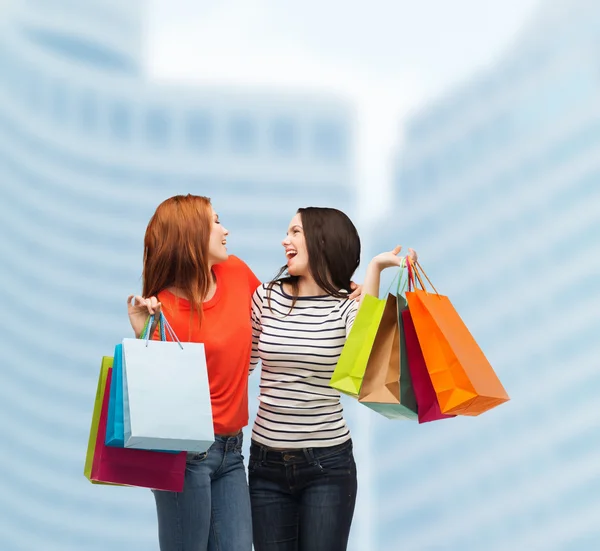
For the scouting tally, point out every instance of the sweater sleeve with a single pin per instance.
(257, 305)
(348, 312)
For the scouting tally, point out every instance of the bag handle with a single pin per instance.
(411, 277)
(400, 279)
(403, 281)
(146, 326)
(423, 272)
(150, 327)
(167, 325)
(416, 269)
(164, 327)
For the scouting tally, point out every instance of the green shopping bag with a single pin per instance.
(387, 385)
(107, 362)
(350, 369)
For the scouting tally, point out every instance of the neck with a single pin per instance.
(307, 287)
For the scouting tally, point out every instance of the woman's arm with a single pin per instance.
(256, 315)
(380, 263)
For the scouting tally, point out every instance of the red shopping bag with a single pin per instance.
(146, 469)
(428, 408)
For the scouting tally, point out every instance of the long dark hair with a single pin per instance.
(333, 247)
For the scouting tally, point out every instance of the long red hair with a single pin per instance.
(176, 249)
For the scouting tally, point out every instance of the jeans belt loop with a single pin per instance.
(310, 456)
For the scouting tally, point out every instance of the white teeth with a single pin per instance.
(289, 254)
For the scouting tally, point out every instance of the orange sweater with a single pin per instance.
(227, 336)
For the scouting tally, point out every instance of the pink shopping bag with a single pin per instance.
(146, 469)
(428, 408)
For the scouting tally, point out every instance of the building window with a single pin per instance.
(120, 121)
(284, 137)
(199, 129)
(330, 141)
(81, 49)
(242, 134)
(157, 127)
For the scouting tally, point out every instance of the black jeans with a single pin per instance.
(302, 500)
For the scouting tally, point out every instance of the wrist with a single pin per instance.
(375, 267)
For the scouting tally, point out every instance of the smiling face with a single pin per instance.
(295, 248)
(217, 250)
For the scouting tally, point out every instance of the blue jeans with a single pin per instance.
(302, 500)
(213, 511)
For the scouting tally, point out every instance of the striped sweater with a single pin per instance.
(299, 351)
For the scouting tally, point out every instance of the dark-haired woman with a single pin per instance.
(302, 472)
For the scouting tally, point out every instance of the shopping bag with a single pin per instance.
(386, 386)
(115, 431)
(464, 381)
(352, 363)
(145, 469)
(428, 408)
(114, 422)
(106, 364)
(166, 395)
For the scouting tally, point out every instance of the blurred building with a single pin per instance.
(88, 149)
(497, 188)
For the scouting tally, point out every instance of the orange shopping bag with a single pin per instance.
(463, 379)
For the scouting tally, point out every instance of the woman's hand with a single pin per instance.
(387, 260)
(413, 256)
(356, 289)
(391, 258)
(380, 263)
(139, 309)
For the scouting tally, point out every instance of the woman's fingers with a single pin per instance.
(139, 303)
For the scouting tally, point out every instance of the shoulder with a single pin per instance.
(171, 302)
(238, 269)
(258, 299)
(261, 291)
(348, 307)
(234, 267)
(233, 263)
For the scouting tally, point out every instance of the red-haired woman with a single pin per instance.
(206, 296)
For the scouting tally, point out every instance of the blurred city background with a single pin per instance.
(468, 130)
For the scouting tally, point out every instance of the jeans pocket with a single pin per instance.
(338, 463)
(238, 451)
(196, 458)
(253, 465)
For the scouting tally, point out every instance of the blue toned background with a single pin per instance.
(469, 131)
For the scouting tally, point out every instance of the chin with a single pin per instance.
(296, 271)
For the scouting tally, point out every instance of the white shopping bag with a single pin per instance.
(166, 396)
